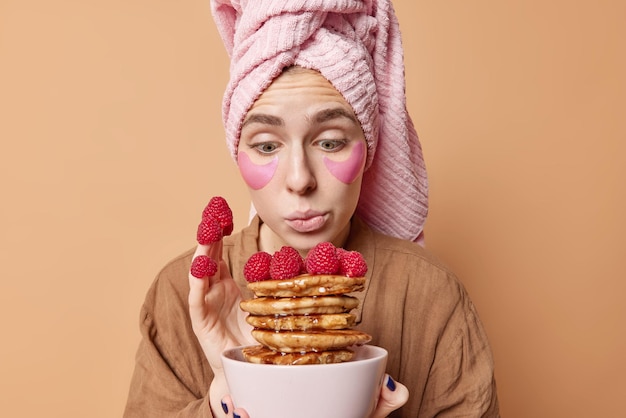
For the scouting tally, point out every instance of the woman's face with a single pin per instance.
(302, 153)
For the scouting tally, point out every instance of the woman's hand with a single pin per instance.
(214, 297)
(216, 318)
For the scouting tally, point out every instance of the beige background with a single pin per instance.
(112, 144)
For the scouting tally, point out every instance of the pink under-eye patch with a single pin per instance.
(256, 175)
(348, 170)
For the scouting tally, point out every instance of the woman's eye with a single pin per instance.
(331, 144)
(266, 147)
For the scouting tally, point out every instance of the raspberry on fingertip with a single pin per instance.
(203, 266)
(209, 231)
(218, 208)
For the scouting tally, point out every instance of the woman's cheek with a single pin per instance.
(348, 170)
(256, 176)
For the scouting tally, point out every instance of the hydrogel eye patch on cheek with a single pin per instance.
(256, 176)
(348, 170)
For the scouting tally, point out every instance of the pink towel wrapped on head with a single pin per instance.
(356, 45)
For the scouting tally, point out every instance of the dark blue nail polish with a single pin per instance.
(236, 415)
(391, 384)
(224, 407)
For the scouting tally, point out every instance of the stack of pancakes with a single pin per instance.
(303, 320)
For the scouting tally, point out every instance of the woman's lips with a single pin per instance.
(306, 223)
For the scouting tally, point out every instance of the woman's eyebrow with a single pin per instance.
(263, 119)
(334, 113)
(319, 117)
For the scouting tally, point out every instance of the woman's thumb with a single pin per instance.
(392, 396)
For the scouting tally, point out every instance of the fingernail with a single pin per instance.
(225, 407)
(391, 384)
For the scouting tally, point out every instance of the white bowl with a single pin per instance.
(341, 390)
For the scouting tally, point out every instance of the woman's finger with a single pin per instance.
(216, 223)
(203, 266)
(229, 409)
(392, 396)
(240, 413)
(227, 406)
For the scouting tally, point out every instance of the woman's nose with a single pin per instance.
(300, 178)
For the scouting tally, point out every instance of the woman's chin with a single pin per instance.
(303, 242)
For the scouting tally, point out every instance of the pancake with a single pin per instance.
(302, 322)
(262, 355)
(299, 306)
(308, 285)
(295, 342)
(304, 319)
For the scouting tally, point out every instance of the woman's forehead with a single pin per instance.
(301, 86)
(302, 81)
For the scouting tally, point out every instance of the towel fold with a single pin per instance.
(356, 45)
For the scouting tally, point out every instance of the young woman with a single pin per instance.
(328, 154)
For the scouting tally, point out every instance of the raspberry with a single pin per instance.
(257, 267)
(203, 266)
(209, 231)
(286, 263)
(218, 208)
(351, 263)
(322, 259)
